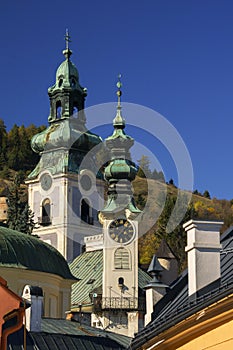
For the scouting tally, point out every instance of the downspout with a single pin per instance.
(19, 313)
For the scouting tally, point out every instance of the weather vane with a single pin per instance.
(67, 39)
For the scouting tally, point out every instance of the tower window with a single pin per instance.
(58, 110)
(60, 82)
(46, 212)
(73, 82)
(75, 112)
(86, 212)
(121, 259)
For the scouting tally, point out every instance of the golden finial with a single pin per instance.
(119, 92)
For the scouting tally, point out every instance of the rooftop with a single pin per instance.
(59, 334)
(176, 305)
(20, 250)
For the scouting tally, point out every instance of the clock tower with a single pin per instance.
(120, 234)
(61, 195)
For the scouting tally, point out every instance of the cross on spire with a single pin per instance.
(67, 52)
(67, 39)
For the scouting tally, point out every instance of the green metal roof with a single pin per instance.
(62, 326)
(66, 335)
(24, 251)
(89, 268)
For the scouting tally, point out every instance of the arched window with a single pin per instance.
(122, 259)
(121, 282)
(46, 212)
(86, 212)
(58, 110)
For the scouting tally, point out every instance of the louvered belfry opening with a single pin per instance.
(122, 259)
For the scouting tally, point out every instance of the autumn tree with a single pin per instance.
(144, 167)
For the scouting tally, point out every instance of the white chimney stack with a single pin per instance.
(203, 248)
(33, 314)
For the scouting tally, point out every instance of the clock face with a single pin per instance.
(46, 182)
(121, 231)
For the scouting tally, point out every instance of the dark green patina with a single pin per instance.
(65, 142)
(19, 250)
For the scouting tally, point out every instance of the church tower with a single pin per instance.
(61, 193)
(120, 233)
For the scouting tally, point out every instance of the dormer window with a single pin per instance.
(73, 82)
(60, 83)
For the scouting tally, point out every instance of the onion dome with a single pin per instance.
(67, 75)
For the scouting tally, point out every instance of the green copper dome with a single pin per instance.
(19, 250)
(68, 70)
(67, 76)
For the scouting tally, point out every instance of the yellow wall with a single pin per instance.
(57, 290)
(220, 338)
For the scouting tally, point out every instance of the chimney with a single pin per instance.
(155, 289)
(203, 249)
(33, 314)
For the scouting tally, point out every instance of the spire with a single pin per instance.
(154, 270)
(121, 170)
(118, 121)
(67, 52)
(67, 96)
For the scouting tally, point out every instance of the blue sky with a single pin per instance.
(175, 56)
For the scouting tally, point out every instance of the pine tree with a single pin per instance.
(206, 194)
(3, 144)
(27, 220)
(13, 153)
(176, 239)
(19, 215)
